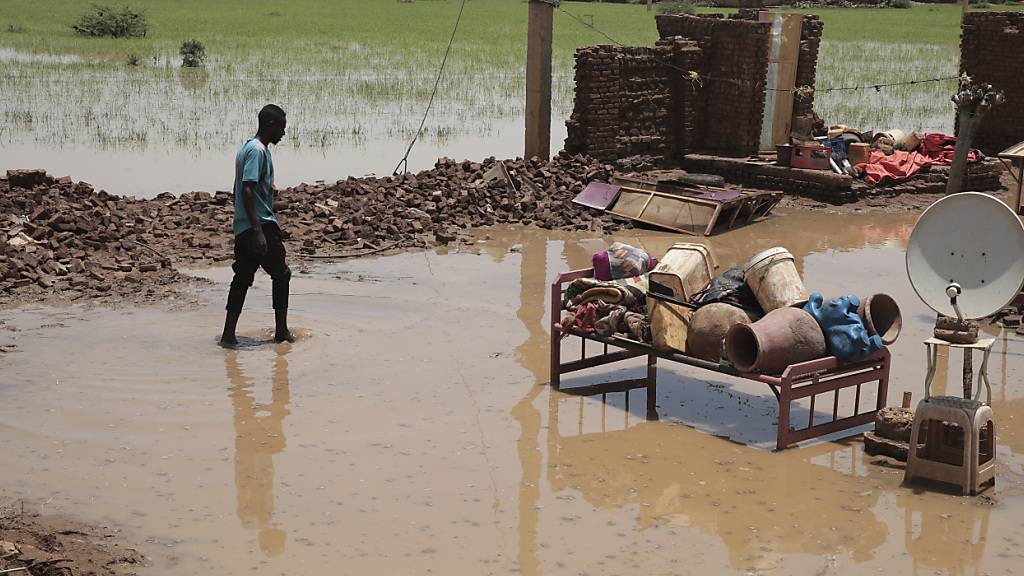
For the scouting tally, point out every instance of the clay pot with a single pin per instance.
(708, 328)
(881, 316)
(784, 336)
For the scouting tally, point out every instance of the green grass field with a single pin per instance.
(353, 70)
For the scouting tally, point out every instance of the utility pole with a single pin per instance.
(538, 79)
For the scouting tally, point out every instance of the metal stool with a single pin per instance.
(971, 464)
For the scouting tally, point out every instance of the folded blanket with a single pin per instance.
(590, 289)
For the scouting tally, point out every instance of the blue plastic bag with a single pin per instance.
(845, 334)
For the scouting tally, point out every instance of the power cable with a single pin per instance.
(437, 82)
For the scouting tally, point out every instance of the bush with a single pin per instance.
(676, 7)
(192, 53)
(900, 3)
(15, 28)
(107, 21)
(133, 59)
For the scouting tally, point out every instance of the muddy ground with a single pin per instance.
(43, 543)
(409, 430)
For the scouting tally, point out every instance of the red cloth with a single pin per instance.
(935, 148)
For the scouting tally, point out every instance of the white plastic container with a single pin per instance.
(774, 280)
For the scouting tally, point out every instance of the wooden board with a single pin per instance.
(694, 214)
(784, 54)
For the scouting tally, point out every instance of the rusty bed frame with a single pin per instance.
(803, 380)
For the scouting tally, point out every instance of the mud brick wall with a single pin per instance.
(593, 127)
(645, 102)
(688, 98)
(735, 72)
(807, 65)
(991, 50)
(624, 101)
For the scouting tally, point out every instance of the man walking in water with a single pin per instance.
(257, 236)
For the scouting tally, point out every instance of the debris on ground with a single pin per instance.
(35, 544)
(61, 236)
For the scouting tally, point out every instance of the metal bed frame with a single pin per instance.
(804, 380)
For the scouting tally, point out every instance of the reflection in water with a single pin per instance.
(945, 539)
(763, 506)
(259, 434)
(531, 353)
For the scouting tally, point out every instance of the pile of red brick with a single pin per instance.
(59, 235)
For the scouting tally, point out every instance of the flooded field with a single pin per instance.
(356, 84)
(410, 430)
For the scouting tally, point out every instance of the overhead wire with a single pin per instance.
(437, 82)
(697, 77)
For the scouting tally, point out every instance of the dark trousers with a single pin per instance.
(247, 262)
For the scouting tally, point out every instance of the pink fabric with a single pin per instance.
(901, 165)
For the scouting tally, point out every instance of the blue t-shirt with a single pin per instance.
(254, 164)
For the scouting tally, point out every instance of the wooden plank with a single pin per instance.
(538, 80)
(784, 54)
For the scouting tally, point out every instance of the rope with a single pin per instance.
(801, 92)
(437, 82)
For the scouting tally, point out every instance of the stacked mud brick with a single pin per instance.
(991, 50)
(688, 95)
(645, 123)
(701, 87)
(806, 71)
(593, 127)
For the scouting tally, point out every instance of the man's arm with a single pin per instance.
(249, 202)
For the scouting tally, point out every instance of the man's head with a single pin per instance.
(272, 123)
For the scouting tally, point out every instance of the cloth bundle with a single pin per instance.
(622, 261)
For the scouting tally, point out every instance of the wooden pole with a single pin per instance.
(538, 80)
(649, 4)
(963, 12)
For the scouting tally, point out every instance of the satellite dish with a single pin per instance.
(968, 248)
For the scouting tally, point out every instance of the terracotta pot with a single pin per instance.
(881, 316)
(708, 328)
(784, 336)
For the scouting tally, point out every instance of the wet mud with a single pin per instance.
(411, 431)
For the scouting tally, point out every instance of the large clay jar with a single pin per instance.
(708, 328)
(784, 336)
(881, 316)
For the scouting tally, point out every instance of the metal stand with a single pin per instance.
(984, 344)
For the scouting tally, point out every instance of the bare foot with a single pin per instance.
(285, 336)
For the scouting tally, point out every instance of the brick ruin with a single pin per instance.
(991, 48)
(639, 101)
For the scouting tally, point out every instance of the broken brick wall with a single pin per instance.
(991, 49)
(623, 105)
(645, 117)
(621, 109)
(593, 127)
(734, 75)
(806, 72)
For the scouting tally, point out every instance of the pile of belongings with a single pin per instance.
(614, 300)
(889, 157)
(766, 298)
(904, 160)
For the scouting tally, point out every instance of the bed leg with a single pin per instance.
(782, 440)
(556, 337)
(652, 387)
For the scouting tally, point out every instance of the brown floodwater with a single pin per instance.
(410, 430)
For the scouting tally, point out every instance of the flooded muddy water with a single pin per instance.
(410, 430)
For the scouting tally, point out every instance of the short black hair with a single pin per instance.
(270, 114)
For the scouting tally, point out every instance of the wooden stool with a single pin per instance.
(959, 447)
